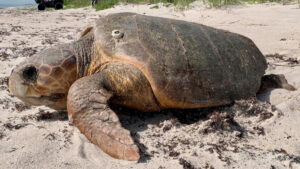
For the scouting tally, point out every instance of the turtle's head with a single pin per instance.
(45, 78)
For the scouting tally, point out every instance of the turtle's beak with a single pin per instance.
(16, 85)
(19, 87)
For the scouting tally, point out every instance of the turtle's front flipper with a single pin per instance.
(89, 110)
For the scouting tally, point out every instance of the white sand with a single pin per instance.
(262, 138)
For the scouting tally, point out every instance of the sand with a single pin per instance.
(255, 133)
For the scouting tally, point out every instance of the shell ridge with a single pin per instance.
(189, 69)
(142, 45)
(179, 39)
(216, 51)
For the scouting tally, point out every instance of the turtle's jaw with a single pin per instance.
(55, 101)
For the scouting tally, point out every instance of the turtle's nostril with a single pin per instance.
(30, 74)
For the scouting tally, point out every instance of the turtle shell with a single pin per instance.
(188, 65)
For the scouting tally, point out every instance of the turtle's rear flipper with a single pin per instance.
(274, 81)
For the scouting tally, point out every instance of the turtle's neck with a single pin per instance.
(83, 49)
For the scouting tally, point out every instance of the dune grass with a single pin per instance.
(76, 3)
(220, 3)
(104, 4)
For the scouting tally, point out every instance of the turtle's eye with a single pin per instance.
(30, 73)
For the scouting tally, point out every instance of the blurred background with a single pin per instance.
(16, 3)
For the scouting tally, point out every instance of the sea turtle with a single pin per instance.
(142, 62)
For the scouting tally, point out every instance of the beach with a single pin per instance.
(257, 133)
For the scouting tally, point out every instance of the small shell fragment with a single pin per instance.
(117, 34)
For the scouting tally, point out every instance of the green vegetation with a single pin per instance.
(104, 4)
(49, 9)
(76, 3)
(154, 7)
(29, 9)
(220, 3)
(167, 5)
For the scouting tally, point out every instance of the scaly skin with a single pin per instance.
(88, 107)
(45, 78)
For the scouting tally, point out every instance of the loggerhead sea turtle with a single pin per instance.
(142, 62)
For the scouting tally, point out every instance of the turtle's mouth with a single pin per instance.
(53, 97)
(47, 100)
